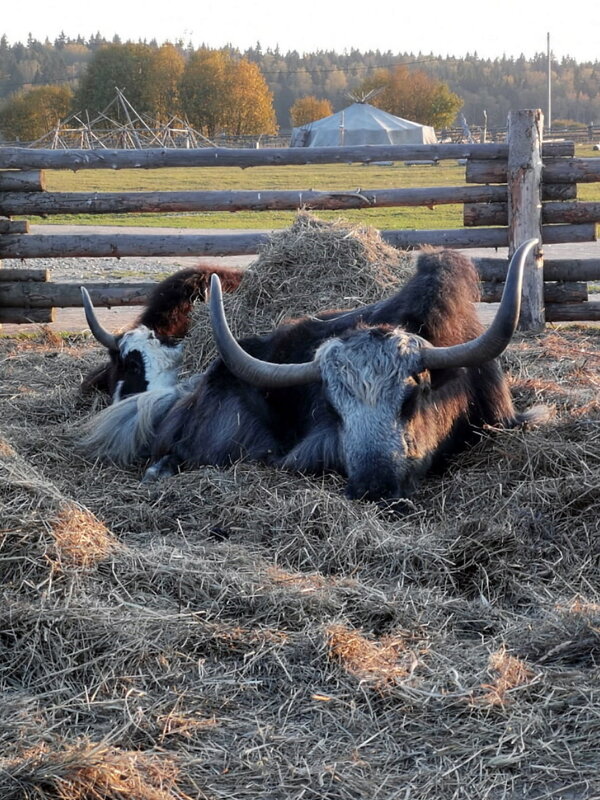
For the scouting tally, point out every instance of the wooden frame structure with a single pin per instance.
(520, 189)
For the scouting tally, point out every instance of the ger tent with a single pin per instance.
(361, 123)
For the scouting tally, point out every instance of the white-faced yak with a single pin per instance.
(380, 394)
(148, 355)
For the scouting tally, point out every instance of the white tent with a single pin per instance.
(361, 123)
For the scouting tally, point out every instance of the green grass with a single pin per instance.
(328, 176)
(334, 177)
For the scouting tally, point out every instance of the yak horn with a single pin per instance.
(497, 337)
(109, 340)
(263, 374)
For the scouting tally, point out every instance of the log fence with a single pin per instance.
(515, 190)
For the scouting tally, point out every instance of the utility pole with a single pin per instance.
(549, 117)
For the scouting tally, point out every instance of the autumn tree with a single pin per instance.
(248, 100)
(161, 87)
(413, 95)
(222, 93)
(28, 115)
(308, 109)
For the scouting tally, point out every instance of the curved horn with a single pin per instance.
(263, 374)
(109, 340)
(497, 337)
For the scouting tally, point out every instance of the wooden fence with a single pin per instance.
(517, 190)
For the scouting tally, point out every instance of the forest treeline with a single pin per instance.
(495, 86)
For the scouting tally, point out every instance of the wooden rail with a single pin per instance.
(99, 245)
(154, 158)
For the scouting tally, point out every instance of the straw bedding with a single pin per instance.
(312, 266)
(249, 633)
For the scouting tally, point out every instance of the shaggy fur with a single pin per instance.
(377, 417)
(139, 362)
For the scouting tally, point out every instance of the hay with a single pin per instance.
(252, 633)
(310, 267)
(91, 771)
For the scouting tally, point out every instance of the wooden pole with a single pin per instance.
(24, 316)
(30, 294)
(566, 170)
(20, 181)
(57, 245)
(13, 225)
(475, 214)
(574, 312)
(571, 269)
(153, 158)
(47, 203)
(524, 178)
(561, 292)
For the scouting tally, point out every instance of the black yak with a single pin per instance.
(380, 394)
(148, 355)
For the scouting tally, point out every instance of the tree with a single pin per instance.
(308, 109)
(28, 115)
(221, 93)
(248, 101)
(413, 95)
(202, 85)
(116, 66)
(165, 71)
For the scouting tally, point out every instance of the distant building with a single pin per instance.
(358, 124)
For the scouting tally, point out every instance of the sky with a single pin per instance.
(491, 29)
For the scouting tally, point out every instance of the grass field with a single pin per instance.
(350, 177)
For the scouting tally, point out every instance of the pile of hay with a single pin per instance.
(251, 633)
(311, 266)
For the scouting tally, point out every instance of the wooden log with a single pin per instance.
(571, 170)
(562, 234)
(25, 316)
(581, 269)
(572, 213)
(524, 180)
(476, 214)
(485, 214)
(575, 312)
(153, 158)
(14, 226)
(562, 292)
(265, 200)
(68, 295)
(125, 244)
(22, 181)
(558, 191)
(15, 274)
(149, 245)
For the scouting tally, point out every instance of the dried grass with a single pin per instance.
(251, 633)
(388, 660)
(91, 771)
(312, 266)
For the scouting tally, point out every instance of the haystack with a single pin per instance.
(311, 266)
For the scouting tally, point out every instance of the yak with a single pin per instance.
(148, 355)
(380, 394)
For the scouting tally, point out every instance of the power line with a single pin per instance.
(311, 71)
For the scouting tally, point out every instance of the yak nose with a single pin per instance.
(376, 486)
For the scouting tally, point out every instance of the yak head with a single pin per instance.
(140, 360)
(377, 380)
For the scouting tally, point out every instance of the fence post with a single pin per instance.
(525, 130)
